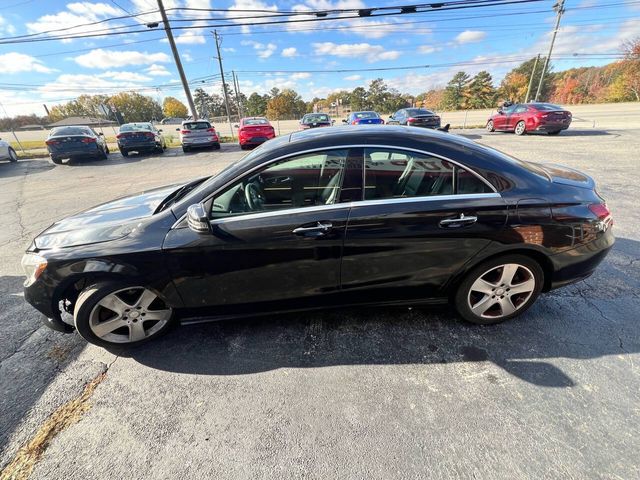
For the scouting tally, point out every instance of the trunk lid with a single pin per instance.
(567, 176)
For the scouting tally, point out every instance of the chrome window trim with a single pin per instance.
(359, 145)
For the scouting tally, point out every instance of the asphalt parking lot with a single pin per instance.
(354, 394)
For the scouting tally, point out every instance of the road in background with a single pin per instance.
(360, 393)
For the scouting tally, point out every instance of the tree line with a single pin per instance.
(616, 82)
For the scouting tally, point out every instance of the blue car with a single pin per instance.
(76, 142)
(364, 118)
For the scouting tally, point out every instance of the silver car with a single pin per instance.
(198, 134)
(7, 152)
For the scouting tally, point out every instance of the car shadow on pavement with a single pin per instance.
(114, 159)
(31, 358)
(24, 166)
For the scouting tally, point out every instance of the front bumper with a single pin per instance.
(39, 295)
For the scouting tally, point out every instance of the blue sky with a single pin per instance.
(491, 38)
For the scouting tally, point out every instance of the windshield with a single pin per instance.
(71, 131)
(196, 125)
(130, 127)
(414, 112)
(366, 115)
(546, 107)
(315, 118)
(255, 121)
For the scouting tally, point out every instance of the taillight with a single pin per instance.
(119, 135)
(88, 140)
(52, 142)
(185, 131)
(355, 122)
(600, 210)
(149, 135)
(211, 130)
(411, 120)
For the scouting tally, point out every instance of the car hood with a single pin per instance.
(109, 221)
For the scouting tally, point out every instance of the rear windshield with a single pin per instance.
(197, 125)
(546, 107)
(366, 115)
(315, 118)
(418, 111)
(256, 121)
(130, 127)
(71, 131)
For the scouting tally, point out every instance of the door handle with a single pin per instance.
(462, 221)
(317, 230)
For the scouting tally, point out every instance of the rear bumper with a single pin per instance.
(88, 152)
(551, 127)
(579, 263)
(433, 126)
(146, 145)
(253, 140)
(206, 142)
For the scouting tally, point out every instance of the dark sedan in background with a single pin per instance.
(530, 117)
(415, 117)
(141, 138)
(315, 120)
(74, 143)
(364, 118)
(325, 217)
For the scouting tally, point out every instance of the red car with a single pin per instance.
(254, 131)
(530, 117)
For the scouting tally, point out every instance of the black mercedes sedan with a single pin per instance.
(140, 137)
(323, 218)
(76, 142)
(415, 117)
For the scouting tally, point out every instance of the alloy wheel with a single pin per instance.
(501, 291)
(490, 126)
(129, 315)
(520, 128)
(13, 157)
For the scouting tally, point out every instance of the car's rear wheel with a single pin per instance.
(114, 313)
(520, 128)
(56, 160)
(216, 146)
(13, 156)
(185, 149)
(499, 289)
(124, 153)
(555, 132)
(490, 126)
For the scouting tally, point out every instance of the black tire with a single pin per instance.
(489, 126)
(158, 149)
(104, 154)
(106, 149)
(89, 299)
(124, 153)
(243, 147)
(464, 295)
(185, 149)
(13, 156)
(521, 128)
(216, 146)
(555, 132)
(56, 160)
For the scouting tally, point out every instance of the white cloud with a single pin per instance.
(125, 76)
(104, 59)
(6, 27)
(470, 36)
(250, 5)
(426, 49)
(372, 53)
(289, 52)
(156, 70)
(353, 78)
(72, 85)
(190, 37)
(229, 49)
(300, 76)
(262, 50)
(78, 13)
(14, 62)
(186, 56)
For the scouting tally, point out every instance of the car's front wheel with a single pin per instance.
(112, 313)
(13, 156)
(490, 127)
(499, 289)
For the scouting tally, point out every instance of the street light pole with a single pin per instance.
(559, 8)
(533, 72)
(224, 84)
(176, 57)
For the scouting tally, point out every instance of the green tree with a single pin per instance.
(378, 94)
(516, 82)
(135, 107)
(286, 104)
(480, 92)
(359, 99)
(172, 107)
(454, 92)
(256, 105)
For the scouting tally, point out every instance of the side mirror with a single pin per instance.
(101, 134)
(344, 121)
(332, 122)
(236, 126)
(177, 129)
(160, 130)
(197, 219)
(500, 111)
(391, 117)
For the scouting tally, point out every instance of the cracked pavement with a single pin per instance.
(367, 393)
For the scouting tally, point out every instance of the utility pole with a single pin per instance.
(533, 72)
(559, 8)
(224, 84)
(236, 87)
(176, 57)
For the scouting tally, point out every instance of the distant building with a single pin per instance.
(32, 126)
(335, 110)
(84, 121)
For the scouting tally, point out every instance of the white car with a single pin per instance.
(7, 152)
(197, 134)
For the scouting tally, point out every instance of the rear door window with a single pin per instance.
(197, 125)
